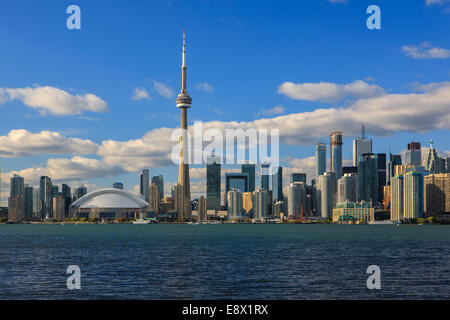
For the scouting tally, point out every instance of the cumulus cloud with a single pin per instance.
(163, 89)
(54, 101)
(328, 91)
(437, 2)
(270, 112)
(24, 143)
(204, 86)
(140, 93)
(426, 51)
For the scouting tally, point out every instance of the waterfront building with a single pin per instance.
(437, 193)
(16, 209)
(118, 185)
(368, 178)
(381, 172)
(159, 180)
(264, 174)
(67, 194)
(184, 102)
(36, 204)
(234, 197)
(250, 170)
(298, 177)
(144, 184)
(59, 207)
(295, 195)
(413, 195)
(154, 198)
(353, 212)
(326, 194)
(277, 185)
(45, 192)
(238, 181)
(321, 159)
(397, 198)
(432, 162)
(28, 202)
(413, 155)
(213, 181)
(202, 211)
(346, 188)
(361, 145)
(110, 204)
(247, 203)
(336, 153)
(260, 204)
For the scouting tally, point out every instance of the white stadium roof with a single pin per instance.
(110, 198)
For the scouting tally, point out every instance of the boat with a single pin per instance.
(141, 220)
(380, 222)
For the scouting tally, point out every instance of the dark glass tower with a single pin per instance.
(368, 178)
(250, 170)
(277, 185)
(213, 177)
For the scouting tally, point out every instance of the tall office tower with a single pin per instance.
(28, 201)
(234, 199)
(277, 185)
(237, 181)
(326, 194)
(144, 184)
(154, 198)
(178, 196)
(79, 192)
(413, 156)
(247, 203)
(36, 204)
(397, 198)
(264, 174)
(67, 194)
(55, 191)
(260, 204)
(16, 210)
(381, 172)
(346, 188)
(321, 159)
(295, 198)
(336, 153)
(298, 177)
(432, 162)
(45, 192)
(17, 186)
(213, 177)
(250, 170)
(159, 180)
(59, 207)
(368, 178)
(202, 212)
(437, 193)
(361, 145)
(413, 195)
(118, 185)
(394, 160)
(184, 102)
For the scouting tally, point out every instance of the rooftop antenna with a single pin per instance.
(363, 130)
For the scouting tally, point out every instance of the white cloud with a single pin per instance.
(204, 86)
(140, 93)
(270, 112)
(329, 92)
(163, 89)
(53, 100)
(437, 2)
(24, 143)
(426, 51)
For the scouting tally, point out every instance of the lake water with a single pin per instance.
(168, 261)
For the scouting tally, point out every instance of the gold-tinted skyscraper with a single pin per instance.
(184, 102)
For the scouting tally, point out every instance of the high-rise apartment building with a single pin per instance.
(154, 198)
(413, 195)
(298, 177)
(381, 172)
(368, 178)
(346, 190)
(437, 193)
(394, 160)
(145, 184)
(17, 187)
(46, 194)
(295, 199)
(28, 201)
(159, 180)
(264, 174)
(326, 194)
(260, 204)
(202, 212)
(247, 203)
(234, 200)
(397, 198)
(277, 185)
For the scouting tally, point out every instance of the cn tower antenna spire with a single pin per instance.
(183, 66)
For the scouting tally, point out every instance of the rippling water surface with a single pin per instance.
(166, 261)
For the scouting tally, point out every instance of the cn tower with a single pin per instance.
(184, 102)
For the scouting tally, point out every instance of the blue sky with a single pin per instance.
(240, 53)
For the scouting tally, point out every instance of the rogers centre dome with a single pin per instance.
(109, 203)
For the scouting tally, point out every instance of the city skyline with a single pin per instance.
(79, 142)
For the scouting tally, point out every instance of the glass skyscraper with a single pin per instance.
(250, 170)
(236, 181)
(368, 178)
(159, 180)
(265, 167)
(213, 177)
(336, 153)
(277, 185)
(321, 159)
(145, 184)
